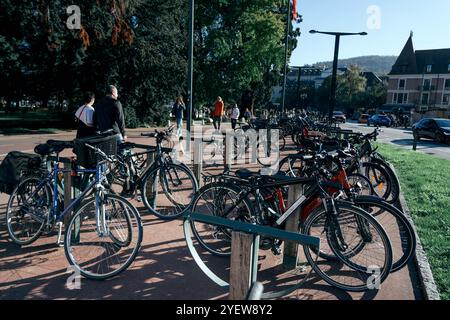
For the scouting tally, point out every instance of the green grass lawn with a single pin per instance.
(425, 182)
(35, 120)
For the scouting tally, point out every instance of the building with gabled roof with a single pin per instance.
(419, 80)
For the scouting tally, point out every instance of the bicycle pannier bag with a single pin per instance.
(12, 167)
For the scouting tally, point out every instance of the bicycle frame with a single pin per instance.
(310, 192)
(53, 175)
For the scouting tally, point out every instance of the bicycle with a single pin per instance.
(166, 187)
(104, 234)
(342, 224)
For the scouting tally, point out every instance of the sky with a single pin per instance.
(387, 31)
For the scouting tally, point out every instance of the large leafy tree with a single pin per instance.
(240, 48)
(351, 87)
(140, 45)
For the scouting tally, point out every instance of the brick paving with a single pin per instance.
(164, 268)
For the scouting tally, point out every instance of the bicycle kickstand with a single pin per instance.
(59, 242)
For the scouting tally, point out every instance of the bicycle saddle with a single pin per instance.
(245, 173)
(52, 146)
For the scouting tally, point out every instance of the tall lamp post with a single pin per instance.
(337, 36)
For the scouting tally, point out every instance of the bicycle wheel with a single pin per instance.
(360, 184)
(396, 225)
(395, 184)
(98, 255)
(27, 210)
(167, 190)
(363, 262)
(379, 178)
(292, 167)
(216, 199)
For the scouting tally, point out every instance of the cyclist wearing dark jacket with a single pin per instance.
(109, 114)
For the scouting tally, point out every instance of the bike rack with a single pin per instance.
(245, 238)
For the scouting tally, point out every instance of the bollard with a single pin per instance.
(243, 264)
(152, 191)
(290, 252)
(414, 142)
(198, 161)
(228, 151)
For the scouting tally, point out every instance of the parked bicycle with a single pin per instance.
(166, 186)
(104, 233)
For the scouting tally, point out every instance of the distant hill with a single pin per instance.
(381, 65)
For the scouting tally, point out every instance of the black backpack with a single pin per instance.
(12, 167)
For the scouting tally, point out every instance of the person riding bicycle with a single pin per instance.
(109, 114)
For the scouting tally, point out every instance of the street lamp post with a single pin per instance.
(337, 35)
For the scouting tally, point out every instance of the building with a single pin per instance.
(309, 76)
(420, 81)
(314, 77)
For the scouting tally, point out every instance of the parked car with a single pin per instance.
(379, 120)
(363, 118)
(432, 128)
(339, 116)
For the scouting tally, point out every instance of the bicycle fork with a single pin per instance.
(100, 211)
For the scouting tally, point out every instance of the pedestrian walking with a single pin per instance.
(85, 117)
(247, 115)
(177, 111)
(234, 115)
(109, 114)
(218, 113)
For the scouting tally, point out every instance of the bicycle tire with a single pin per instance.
(9, 219)
(408, 241)
(344, 260)
(222, 189)
(150, 178)
(69, 249)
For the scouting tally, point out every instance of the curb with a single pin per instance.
(426, 278)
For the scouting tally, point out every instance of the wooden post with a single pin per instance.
(228, 150)
(198, 161)
(290, 252)
(68, 192)
(243, 264)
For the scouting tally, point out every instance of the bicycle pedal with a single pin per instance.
(276, 250)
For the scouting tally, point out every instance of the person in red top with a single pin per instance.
(218, 113)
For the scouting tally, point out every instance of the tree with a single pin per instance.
(350, 87)
(239, 46)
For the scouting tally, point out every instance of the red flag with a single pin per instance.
(294, 9)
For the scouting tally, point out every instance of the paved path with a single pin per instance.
(403, 137)
(164, 268)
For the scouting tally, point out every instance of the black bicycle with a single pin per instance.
(166, 187)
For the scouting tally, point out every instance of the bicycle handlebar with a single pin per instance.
(100, 152)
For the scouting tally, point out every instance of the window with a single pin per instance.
(401, 98)
(425, 97)
(447, 84)
(426, 84)
(401, 84)
(429, 67)
(394, 99)
(446, 99)
(448, 67)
